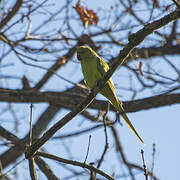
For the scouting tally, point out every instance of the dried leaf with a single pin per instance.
(156, 3)
(88, 17)
(140, 68)
(46, 49)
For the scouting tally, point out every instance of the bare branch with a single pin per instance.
(10, 15)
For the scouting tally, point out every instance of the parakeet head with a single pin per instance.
(84, 52)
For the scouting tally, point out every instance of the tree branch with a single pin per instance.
(11, 14)
(70, 101)
(134, 40)
(75, 163)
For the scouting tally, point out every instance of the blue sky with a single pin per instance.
(159, 126)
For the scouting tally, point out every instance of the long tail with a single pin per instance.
(121, 110)
(109, 92)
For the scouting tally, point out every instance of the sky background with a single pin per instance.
(159, 125)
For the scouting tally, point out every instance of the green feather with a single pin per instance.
(93, 68)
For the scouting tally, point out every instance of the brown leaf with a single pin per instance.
(88, 17)
(156, 3)
(140, 68)
(46, 49)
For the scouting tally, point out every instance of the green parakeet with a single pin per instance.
(93, 68)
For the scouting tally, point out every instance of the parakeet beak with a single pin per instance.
(79, 57)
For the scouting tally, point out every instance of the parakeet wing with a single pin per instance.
(103, 68)
(109, 90)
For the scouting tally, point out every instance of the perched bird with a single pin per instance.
(93, 68)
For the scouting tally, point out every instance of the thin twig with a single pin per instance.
(144, 165)
(119, 148)
(153, 159)
(106, 138)
(88, 149)
(30, 132)
(75, 163)
(32, 168)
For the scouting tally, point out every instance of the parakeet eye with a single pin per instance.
(79, 57)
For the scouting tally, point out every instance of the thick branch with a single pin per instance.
(155, 51)
(11, 14)
(70, 101)
(134, 40)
